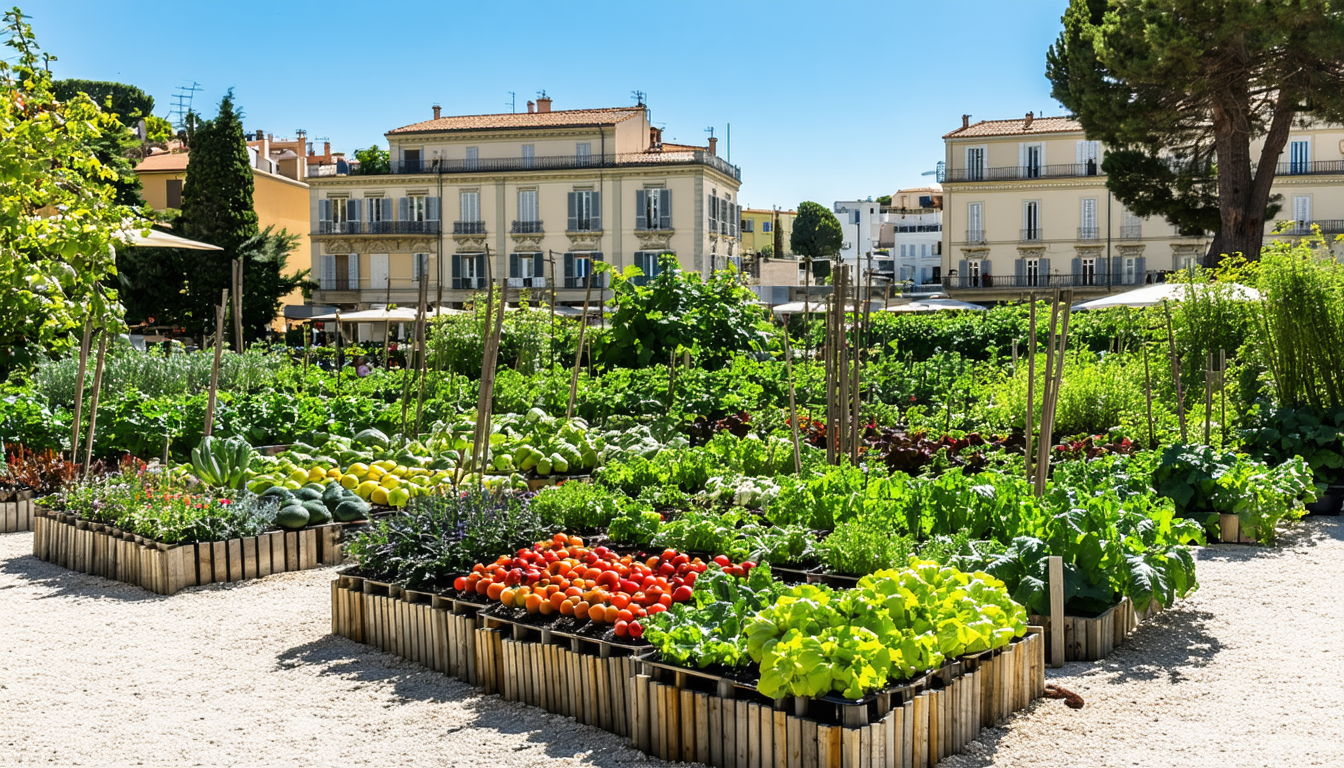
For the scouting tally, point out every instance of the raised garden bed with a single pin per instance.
(103, 550)
(684, 714)
(17, 512)
(1094, 638)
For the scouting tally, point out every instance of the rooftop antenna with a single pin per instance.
(638, 96)
(182, 97)
(710, 131)
(541, 94)
(513, 101)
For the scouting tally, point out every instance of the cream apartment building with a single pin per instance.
(1026, 208)
(536, 197)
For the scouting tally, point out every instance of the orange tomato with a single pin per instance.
(533, 603)
(625, 615)
(477, 568)
(665, 600)
(556, 599)
(581, 610)
(566, 608)
(494, 591)
(620, 600)
(597, 614)
(506, 597)
(547, 608)
(575, 541)
(573, 592)
(482, 586)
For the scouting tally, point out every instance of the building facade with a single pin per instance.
(537, 197)
(903, 239)
(763, 227)
(1026, 208)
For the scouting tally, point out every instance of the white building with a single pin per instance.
(903, 238)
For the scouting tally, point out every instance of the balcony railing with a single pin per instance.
(582, 281)
(975, 236)
(1301, 228)
(1015, 172)
(1131, 231)
(1291, 168)
(919, 228)
(965, 282)
(526, 228)
(377, 228)
(527, 282)
(468, 227)
(541, 162)
(1089, 233)
(1031, 235)
(470, 283)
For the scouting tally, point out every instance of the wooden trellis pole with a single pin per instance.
(1175, 371)
(793, 405)
(1029, 420)
(214, 368)
(93, 403)
(238, 306)
(578, 352)
(84, 343)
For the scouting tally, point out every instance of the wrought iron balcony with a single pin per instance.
(1016, 172)
(582, 281)
(527, 282)
(1031, 235)
(1131, 231)
(526, 228)
(377, 228)
(975, 236)
(1303, 228)
(969, 282)
(1089, 233)
(470, 283)
(1295, 168)
(468, 227)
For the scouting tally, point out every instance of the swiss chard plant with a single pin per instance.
(1205, 482)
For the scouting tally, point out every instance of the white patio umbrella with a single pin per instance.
(1152, 295)
(397, 315)
(937, 305)
(818, 306)
(157, 239)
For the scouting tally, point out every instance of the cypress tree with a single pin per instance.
(217, 196)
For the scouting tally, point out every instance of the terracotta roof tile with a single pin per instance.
(176, 161)
(515, 120)
(1016, 127)
(670, 147)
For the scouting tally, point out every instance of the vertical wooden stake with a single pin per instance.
(1148, 391)
(578, 351)
(79, 387)
(93, 403)
(1055, 565)
(214, 369)
(238, 305)
(793, 405)
(1175, 371)
(1029, 420)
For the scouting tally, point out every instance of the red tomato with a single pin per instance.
(635, 629)
(681, 560)
(681, 595)
(460, 583)
(664, 601)
(747, 565)
(690, 578)
(723, 561)
(622, 629)
(657, 608)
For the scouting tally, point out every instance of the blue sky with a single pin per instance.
(826, 100)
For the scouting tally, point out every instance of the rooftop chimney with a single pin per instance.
(1027, 125)
(531, 106)
(436, 111)
(543, 104)
(965, 121)
(326, 149)
(260, 134)
(712, 142)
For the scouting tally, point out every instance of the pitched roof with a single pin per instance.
(670, 147)
(176, 161)
(569, 118)
(1017, 127)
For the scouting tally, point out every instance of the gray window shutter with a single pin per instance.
(1140, 270)
(1077, 267)
(1044, 269)
(513, 265)
(569, 264)
(963, 269)
(432, 209)
(665, 209)
(573, 219)
(354, 271)
(600, 282)
(324, 210)
(1020, 271)
(457, 271)
(1103, 266)
(403, 209)
(538, 266)
(328, 272)
(352, 210)
(481, 273)
(641, 214)
(597, 211)
(984, 267)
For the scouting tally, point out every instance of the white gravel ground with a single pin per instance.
(1248, 672)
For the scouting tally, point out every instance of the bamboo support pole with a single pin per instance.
(793, 405)
(421, 343)
(1175, 371)
(84, 344)
(238, 305)
(214, 369)
(1029, 420)
(93, 402)
(1148, 392)
(578, 352)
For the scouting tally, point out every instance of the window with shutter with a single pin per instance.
(528, 150)
(975, 163)
(975, 228)
(641, 209)
(457, 271)
(473, 158)
(583, 153)
(328, 273)
(1302, 211)
(354, 272)
(420, 264)
(664, 209)
(527, 205)
(1087, 220)
(713, 213)
(378, 271)
(595, 219)
(573, 207)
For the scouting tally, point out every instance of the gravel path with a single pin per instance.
(1248, 672)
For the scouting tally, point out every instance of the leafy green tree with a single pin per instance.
(1191, 84)
(374, 160)
(115, 149)
(678, 311)
(767, 251)
(53, 267)
(126, 102)
(816, 236)
(158, 130)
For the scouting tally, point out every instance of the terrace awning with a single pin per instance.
(937, 305)
(1152, 295)
(157, 239)
(818, 306)
(398, 315)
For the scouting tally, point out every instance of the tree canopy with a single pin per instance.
(1180, 89)
(816, 232)
(59, 222)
